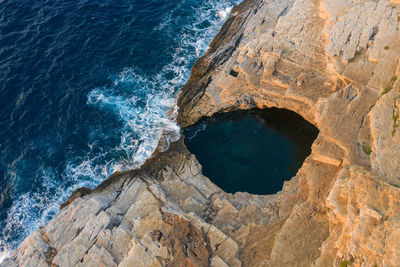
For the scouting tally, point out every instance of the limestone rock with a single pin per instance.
(336, 63)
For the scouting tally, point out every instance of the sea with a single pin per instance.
(88, 88)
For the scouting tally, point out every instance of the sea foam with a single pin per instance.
(145, 108)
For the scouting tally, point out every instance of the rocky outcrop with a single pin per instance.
(167, 213)
(335, 63)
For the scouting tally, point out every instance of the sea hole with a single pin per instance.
(252, 151)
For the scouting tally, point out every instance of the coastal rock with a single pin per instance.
(176, 217)
(335, 63)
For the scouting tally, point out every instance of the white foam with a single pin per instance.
(222, 14)
(199, 128)
(4, 254)
(146, 107)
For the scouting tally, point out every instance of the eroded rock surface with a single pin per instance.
(334, 62)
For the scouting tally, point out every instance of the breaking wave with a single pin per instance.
(144, 108)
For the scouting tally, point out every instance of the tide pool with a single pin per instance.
(251, 151)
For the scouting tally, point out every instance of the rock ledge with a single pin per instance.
(335, 63)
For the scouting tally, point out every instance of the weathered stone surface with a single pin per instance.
(140, 219)
(335, 63)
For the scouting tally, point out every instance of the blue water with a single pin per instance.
(251, 151)
(88, 87)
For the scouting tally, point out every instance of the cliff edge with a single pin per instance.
(336, 63)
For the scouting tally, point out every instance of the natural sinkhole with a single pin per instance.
(252, 151)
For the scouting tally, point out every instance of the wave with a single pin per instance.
(146, 109)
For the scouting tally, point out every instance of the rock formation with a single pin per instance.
(334, 62)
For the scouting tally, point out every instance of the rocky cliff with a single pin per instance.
(336, 63)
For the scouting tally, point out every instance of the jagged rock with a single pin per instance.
(333, 62)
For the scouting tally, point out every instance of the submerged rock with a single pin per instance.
(335, 63)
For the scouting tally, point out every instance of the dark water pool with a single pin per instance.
(86, 88)
(251, 151)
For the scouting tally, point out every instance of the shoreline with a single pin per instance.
(292, 55)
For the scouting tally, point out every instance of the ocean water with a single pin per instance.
(88, 87)
(251, 151)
